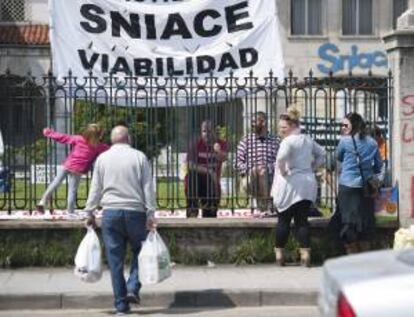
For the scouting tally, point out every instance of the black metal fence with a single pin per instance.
(164, 117)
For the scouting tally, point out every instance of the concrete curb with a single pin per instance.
(181, 299)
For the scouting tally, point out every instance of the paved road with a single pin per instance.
(286, 311)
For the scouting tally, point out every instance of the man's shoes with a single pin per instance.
(40, 209)
(192, 213)
(270, 214)
(123, 312)
(133, 299)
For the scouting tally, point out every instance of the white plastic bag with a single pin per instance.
(404, 238)
(153, 260)
(88, 265)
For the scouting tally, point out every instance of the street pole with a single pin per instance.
(406, 20)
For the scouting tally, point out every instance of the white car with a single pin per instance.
(371, 284)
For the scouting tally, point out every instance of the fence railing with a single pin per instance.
(165, 117)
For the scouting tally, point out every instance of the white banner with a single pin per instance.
(140, 37)
(162, 38)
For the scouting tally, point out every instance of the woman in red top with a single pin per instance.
(85, 149)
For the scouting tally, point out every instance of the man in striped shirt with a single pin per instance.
(255, 160)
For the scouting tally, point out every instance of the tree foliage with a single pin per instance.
(147, 126)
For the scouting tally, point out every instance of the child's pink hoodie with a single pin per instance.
(82, 155)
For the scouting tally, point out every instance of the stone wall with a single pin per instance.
(191, 242)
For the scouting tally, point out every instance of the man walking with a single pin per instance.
(122, 185)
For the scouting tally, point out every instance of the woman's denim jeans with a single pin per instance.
(73, 184)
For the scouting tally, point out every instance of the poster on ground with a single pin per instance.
(386, 203)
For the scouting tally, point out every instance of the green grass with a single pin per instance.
(24, 195)
(384, 220)
(170, 195)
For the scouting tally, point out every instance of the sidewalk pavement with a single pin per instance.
(218, 286)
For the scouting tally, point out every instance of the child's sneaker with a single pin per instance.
(72, 215)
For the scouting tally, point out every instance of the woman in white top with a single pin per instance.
(294, 187)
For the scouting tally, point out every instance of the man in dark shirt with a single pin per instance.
(202, 183)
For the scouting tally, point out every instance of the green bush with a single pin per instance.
(260, 249)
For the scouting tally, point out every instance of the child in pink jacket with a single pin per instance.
(85, 149)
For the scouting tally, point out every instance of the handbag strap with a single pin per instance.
(358, 159)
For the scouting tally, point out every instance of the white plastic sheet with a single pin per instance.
(154, 260)
(404, 238)
(88, 263)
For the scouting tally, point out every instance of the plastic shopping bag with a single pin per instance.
(404, 238)
(154, 260)
(88, 265)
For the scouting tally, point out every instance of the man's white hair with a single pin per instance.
(120, 134)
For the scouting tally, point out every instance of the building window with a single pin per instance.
(306, 17)
(12, 10)
(357, 17)
(399, 7)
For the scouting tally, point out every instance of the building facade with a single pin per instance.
(327, 37)
(337, 36)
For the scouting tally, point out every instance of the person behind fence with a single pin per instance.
(85, 148)
(381, 142)
(360, 160)
(1, 152)
(295, 188)
(202, 182)
(122, 184)
(378, 136)
(4, 186)
(255, 159)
